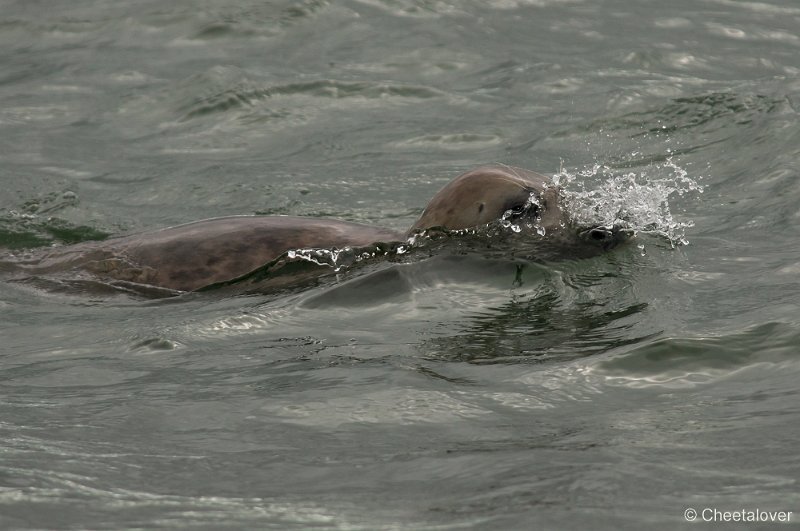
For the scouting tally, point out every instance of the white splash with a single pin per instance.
(509, 217)
(635, 201)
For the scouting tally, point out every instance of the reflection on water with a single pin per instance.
(475, 309)
(553, 316)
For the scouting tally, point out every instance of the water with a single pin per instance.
(456, 392)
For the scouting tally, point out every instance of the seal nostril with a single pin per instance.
(598, 234)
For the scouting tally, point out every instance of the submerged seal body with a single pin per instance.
(194, 255)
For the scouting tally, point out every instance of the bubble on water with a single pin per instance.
(637, 201)
(341, 259)
(511, 226)
(322, 257)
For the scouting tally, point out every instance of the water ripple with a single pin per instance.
(676, 363)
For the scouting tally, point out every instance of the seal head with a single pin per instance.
(485, 194)
(521, 196)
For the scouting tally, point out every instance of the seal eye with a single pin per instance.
(526, 204)
(517, 211)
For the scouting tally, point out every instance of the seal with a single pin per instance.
(195, 255)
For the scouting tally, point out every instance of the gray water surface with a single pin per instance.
(454, 392)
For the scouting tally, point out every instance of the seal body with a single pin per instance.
(203, 253)
(190, 256)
